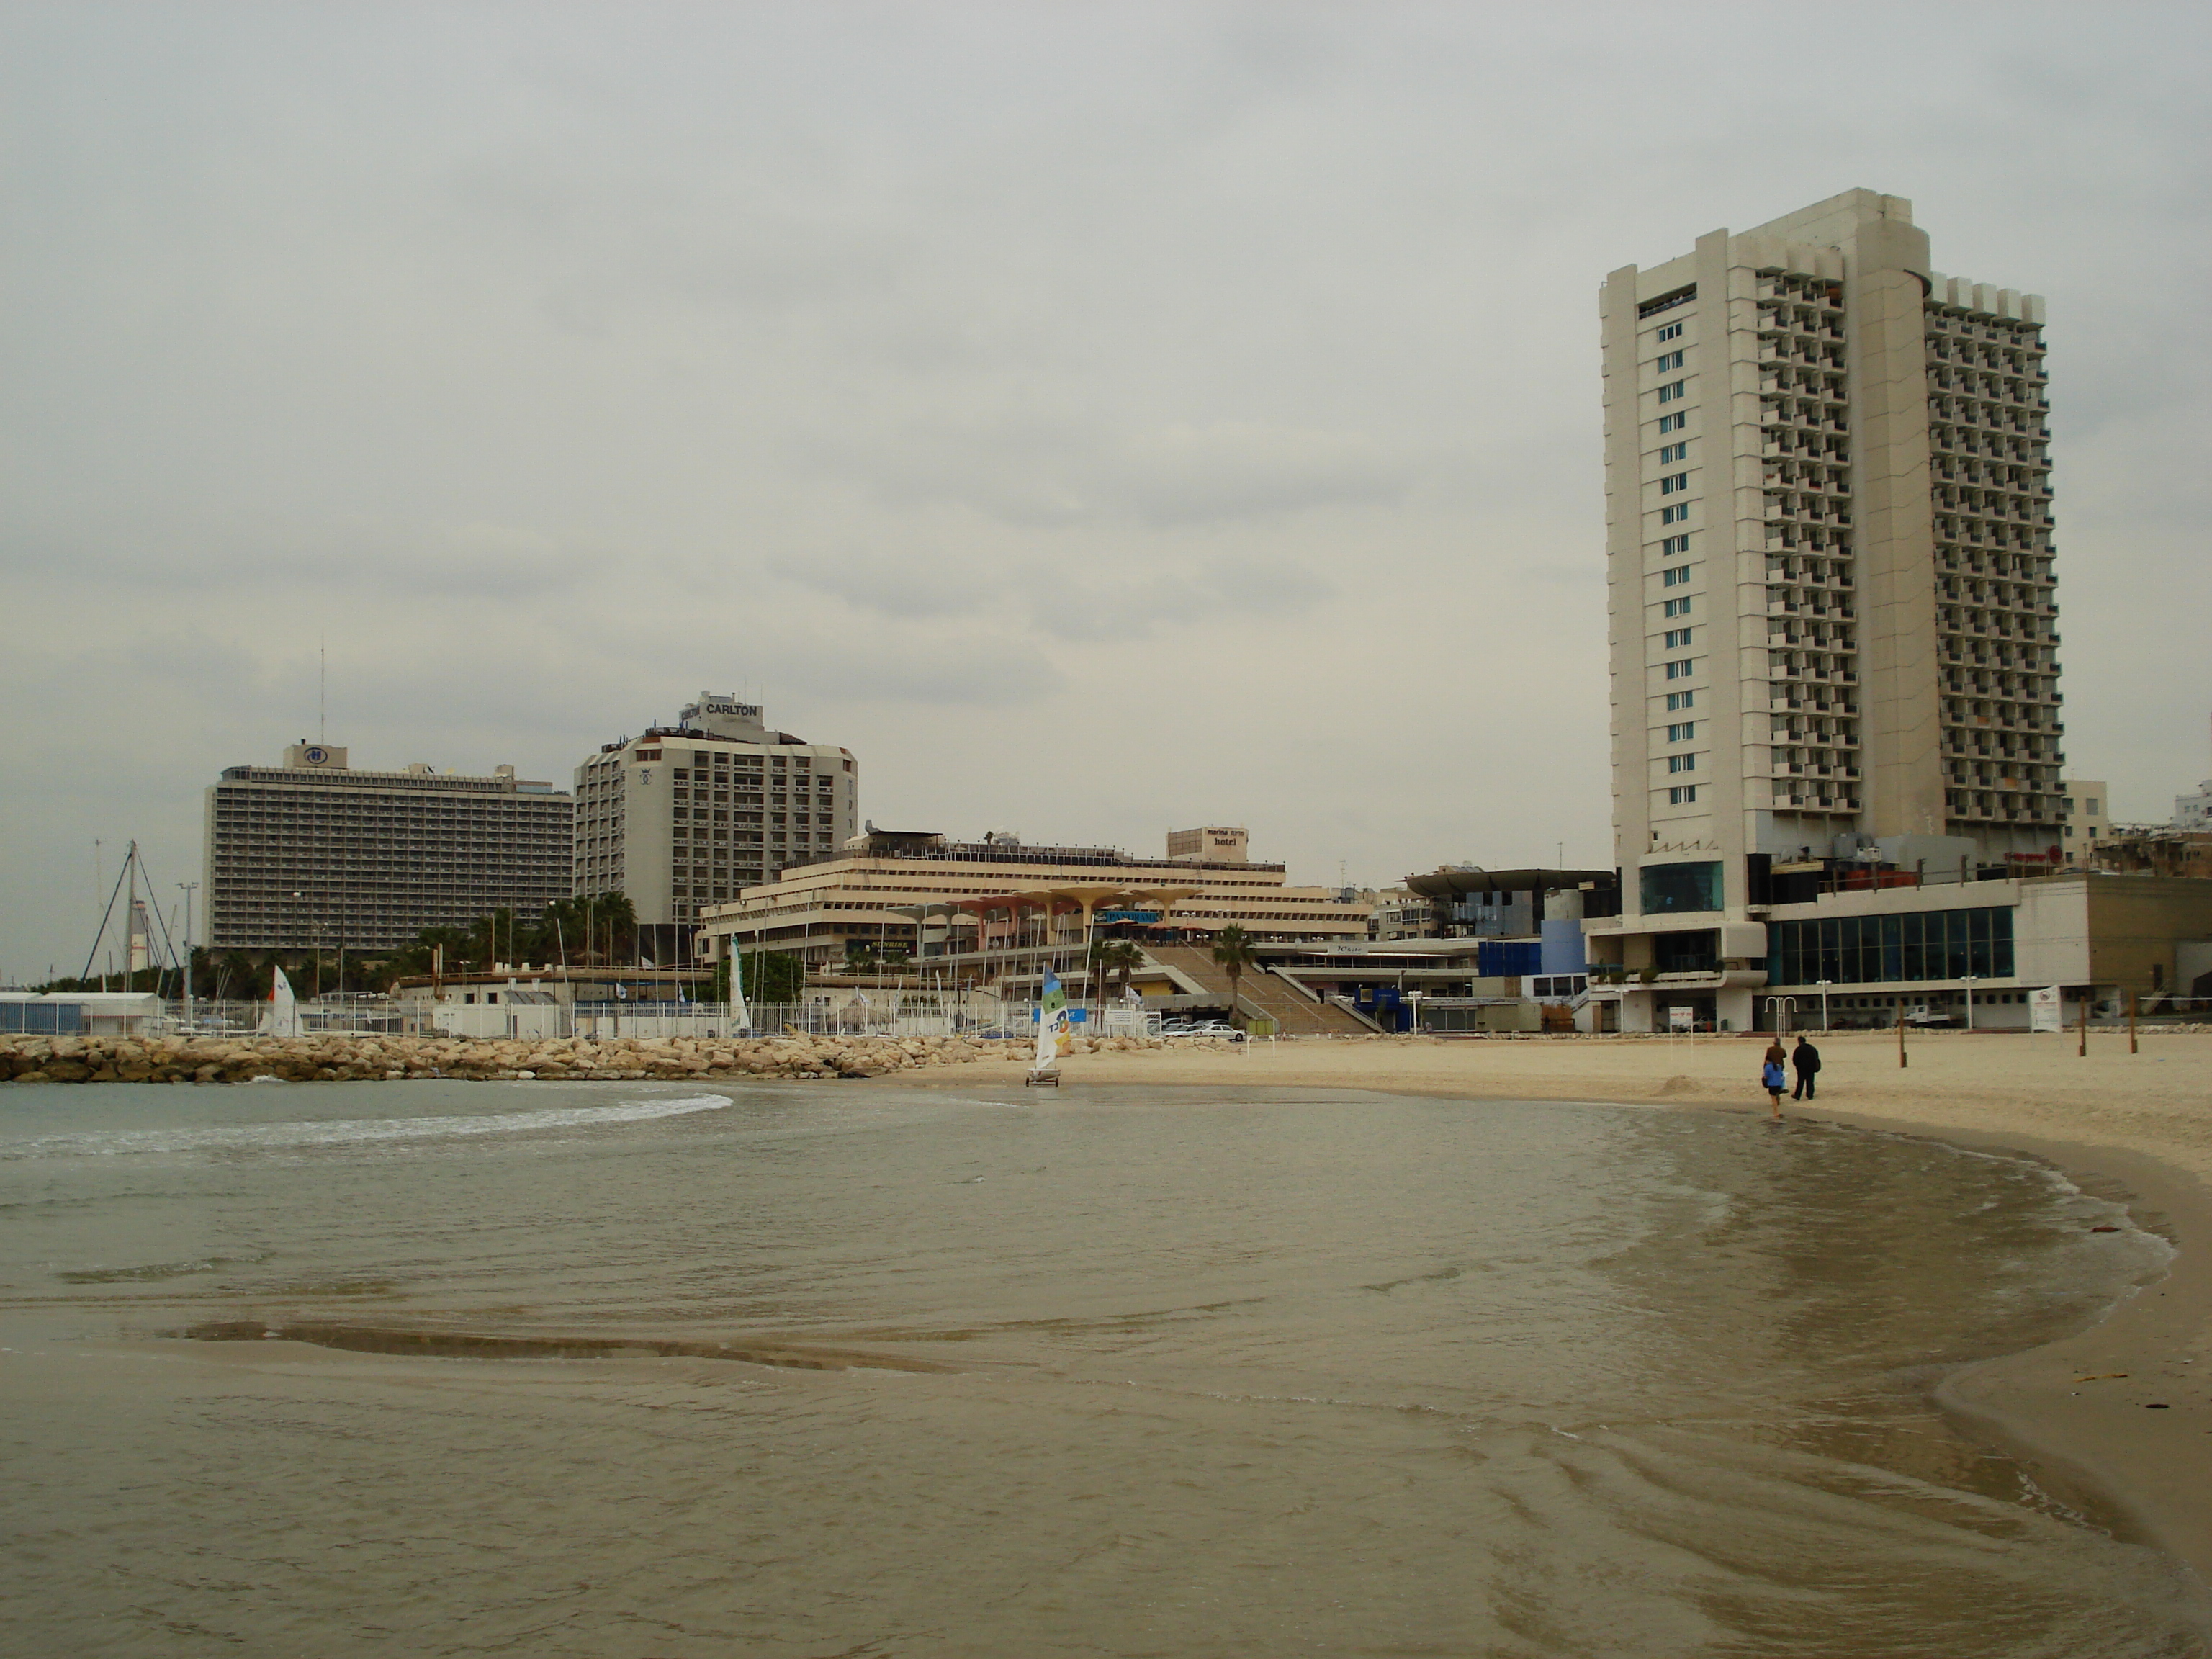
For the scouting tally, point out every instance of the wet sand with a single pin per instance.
(2124, 1408)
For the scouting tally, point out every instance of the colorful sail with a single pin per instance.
(1052, 1024)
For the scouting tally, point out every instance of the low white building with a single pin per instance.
(2194, 811)
(1870, 946)
(79, 1013)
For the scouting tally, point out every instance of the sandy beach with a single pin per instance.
(2123, 1409)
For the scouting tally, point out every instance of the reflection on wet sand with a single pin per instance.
(896, 1372)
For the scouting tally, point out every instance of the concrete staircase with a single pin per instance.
(1294, 1014)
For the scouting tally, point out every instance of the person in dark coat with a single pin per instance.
(1805, 1060)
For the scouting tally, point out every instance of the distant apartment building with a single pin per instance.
(2194, 813)
(314, 854)
(1401, 913)
(1831, 591)
(689, 815)
(2088, 825)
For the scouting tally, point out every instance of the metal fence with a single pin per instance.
(897, 1015)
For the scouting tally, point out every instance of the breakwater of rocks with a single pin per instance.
(335, 1058)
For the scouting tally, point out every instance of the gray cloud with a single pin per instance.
(972, 383)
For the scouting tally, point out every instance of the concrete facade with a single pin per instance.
(314, 854)
(2086, 804)
(964, 902)
(690, 815)
(1830, 572)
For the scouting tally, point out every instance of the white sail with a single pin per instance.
(281, 1018)
(1051, 1025)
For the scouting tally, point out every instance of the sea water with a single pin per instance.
(1102, 1372)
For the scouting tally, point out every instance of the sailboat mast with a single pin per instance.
(130, 919)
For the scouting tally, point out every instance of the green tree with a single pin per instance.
(560, 934)
(1234, 950)
(492, 938)
(1110, 958)
(1125, 957)
(772, 976)
(609, 927)
(419, 959)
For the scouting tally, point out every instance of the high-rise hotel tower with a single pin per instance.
(1833, 608)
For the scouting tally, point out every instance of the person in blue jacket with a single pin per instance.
(1774, 1075)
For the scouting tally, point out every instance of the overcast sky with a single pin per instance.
(1100, 418)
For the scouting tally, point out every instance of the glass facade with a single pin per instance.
(1873, 950)
(1669, 888)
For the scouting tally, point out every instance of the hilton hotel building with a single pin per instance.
(1830, 585)
(687, 815)
(314, 854)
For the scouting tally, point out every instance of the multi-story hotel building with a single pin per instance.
(687, 815)
(1829, 584)
(313, 853)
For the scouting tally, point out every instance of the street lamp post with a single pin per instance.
(1968, 980)
(1824, 1005)
(188, 886)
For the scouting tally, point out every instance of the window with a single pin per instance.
(1680, 296)
(1671, 391)
(1679, 576)
(1674, 514)
(1681, 763)
(1674, 483)
(2090, 806)
(1694, 952)
(1678, 670)
(1673, 545)
(1682, 794)
(1678, 638)
(1672, 331)
(1673, 453)
(1678, 699)
(1918, 946)
(1672, 889)
(1671, 423)
(1668, 360)
(1682, 730)
(1678, 607)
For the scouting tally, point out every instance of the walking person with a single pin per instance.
(1774, 1075)
(1805, 1061)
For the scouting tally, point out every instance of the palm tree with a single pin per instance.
(1121, 957)
(609, 922)
(1101, 963)
(1234, 950)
